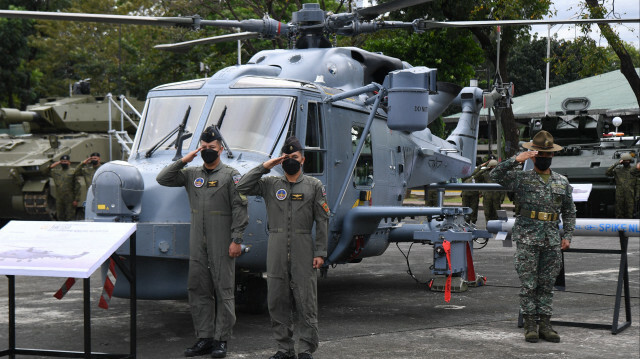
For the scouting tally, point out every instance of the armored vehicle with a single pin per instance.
(32, 140)
(592, 143)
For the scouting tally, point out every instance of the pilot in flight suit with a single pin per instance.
(218, 219)
(294, 202)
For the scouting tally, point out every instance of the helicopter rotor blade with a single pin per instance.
(426, 24)
(266, 26)
(372, 12)
(102, 18)
(187, 45)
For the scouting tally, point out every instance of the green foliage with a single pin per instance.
(453, 52)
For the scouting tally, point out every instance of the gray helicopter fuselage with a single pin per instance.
(263, 107)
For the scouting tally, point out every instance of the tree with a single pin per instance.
(597, 11)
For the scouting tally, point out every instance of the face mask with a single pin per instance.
(291, 166)
(542, 163)
(209, 155)
(626, 164)
(64, 166)
(94, 162)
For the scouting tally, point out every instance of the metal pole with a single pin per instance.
(356, 155)
(87, 318)
(109, 97)
(546, 99)
(12, 315)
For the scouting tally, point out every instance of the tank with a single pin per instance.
(592, 143)
(31, 140)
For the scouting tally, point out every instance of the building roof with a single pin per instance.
(609, 93)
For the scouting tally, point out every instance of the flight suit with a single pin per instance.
(491, 200)
(86, 172)
(218, 215)
(292, 208)
(471, 199)
(625, 188)
(538, 257)
(66, 192)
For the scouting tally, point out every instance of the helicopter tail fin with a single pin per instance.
(465, 135)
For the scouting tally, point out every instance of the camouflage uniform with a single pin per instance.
(292, 208)
(471, 199)
(491, 200)
(66, 192)
(218, 215)
(626, 185)
(430, 197)
(86, 172)
(538, 257)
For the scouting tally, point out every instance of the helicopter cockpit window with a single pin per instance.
(164, 114)
(253, 123)
(314, 149)
(363, 173)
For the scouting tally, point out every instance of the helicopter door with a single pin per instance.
(315, 150)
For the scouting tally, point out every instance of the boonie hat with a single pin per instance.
(543, 142)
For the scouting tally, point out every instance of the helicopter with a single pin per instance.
(362, 118)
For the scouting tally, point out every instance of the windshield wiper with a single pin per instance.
(217, 129)
(181, 136)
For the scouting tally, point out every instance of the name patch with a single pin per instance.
(212, 183)
(198, 182)
(297, 196)
(281, 194)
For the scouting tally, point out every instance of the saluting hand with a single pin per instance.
(191, 155)
(87, 160)
(274, 162)
(522, 157)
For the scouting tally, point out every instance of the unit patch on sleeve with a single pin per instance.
(325, 206)
(297, 196)
(236, 178)
(212, 183)
(198, 182)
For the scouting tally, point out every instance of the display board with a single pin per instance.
(59, 249)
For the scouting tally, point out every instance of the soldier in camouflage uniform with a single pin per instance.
(471, 199)
(294, 202)
(491, 200)
(218, 219)
(67, 192)
(544, 195)
(430, 197)
(88, 168)
(626, 184)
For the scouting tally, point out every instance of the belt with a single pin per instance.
(542, 216)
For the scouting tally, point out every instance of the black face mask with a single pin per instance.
(64, 166)
(626, 164)
(542, 163)
(94, 162)
(291, 166)
(209, 155)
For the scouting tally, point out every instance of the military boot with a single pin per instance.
(530, 328)
(546, 332)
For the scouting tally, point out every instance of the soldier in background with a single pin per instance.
(545, 197)
(88, 168)
(218, 220)
(491, 200)
(67, 191)
(294, 202)
(636, 173)
(471, 199)
(430, 197)
(625, 186)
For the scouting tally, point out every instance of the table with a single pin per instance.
(65, 249)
